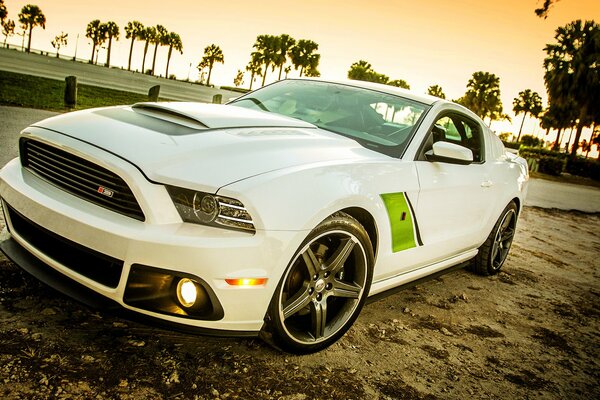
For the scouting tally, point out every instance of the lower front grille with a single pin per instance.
(99, 267)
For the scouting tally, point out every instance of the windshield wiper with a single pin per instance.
(255, 101)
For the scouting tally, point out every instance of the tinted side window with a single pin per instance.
(457, 129)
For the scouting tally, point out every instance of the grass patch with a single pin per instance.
(48, 94)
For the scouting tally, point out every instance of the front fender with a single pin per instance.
(299, 198)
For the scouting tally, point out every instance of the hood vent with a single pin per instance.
(216, 116)
(168, 114)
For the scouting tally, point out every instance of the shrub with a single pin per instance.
(536, 152)
(551, 165)
(511, 145)
(584, 167)
(529, 140)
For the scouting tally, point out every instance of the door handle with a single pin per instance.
(487, 184)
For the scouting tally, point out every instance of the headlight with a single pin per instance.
(207, 209)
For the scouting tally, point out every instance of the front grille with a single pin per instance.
(80, 177)
(99, 267)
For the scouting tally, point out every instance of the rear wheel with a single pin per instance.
(324, 287)
(494, 250)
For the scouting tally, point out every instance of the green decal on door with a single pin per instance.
(405, 232)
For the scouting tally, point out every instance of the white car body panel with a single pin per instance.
(289, 175)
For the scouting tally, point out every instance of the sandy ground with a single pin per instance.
(533, 331)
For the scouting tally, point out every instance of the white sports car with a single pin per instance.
(280, 212)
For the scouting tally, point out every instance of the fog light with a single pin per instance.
(187, 293)
(246, 281)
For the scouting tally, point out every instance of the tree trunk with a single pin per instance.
(168, 60)
(108, 55)
(521, 128)
(29, 39)
(580, 125)
(280, 69)
(301, 71)
(210, 66)
(265, 74)
(144, 59)
(154, 59)
(93, 52)
(130, 52)
(556, 145)
(251, 79)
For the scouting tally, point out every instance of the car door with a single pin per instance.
(454, 199)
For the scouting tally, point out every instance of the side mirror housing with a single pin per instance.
(450, 153)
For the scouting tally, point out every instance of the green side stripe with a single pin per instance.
(403, 232)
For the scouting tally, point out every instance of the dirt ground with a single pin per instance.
(533, 331)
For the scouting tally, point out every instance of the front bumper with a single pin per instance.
(162, 242)
(24, 259)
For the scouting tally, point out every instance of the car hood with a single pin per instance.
(204, 146)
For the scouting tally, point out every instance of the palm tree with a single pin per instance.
(401, 83)
(133, 31)
(483, 96)
(254, 67)
(284, 45)
(149, 35)
(527, 102)
(111, 30)
(3, 11)
(59, 41)
(212, 54)
(266, 51)
(96, 32)
(174, 42)
(201, 66)
(303, 55)
(159, 40)
(436, 90)
(8, 29)
(239, 78)
(571, 75)
(363, 71)
(543, 11)
(30, 17)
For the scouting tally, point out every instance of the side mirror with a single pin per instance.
(450, 153)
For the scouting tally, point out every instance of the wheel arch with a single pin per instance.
(518, 203)
(367, 220)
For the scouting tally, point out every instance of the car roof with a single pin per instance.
(421, 98)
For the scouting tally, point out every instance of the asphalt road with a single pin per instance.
(113, 78)
(542, 193)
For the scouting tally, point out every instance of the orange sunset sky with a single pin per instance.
(431, 42)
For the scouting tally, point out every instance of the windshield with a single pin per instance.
(379, 121)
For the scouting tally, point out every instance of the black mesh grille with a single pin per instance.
(87, 262)
(80, 177)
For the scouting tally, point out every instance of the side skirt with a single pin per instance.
(397, 283)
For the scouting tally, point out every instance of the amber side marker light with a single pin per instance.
(246, 281)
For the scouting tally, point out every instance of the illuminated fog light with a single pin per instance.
(187, 293)
(246, 281)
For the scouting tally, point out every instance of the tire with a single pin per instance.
(494, 250)
(323, 288)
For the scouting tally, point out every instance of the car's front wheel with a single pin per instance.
(494, 250)
(324, 287)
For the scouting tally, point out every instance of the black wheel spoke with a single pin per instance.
(312, 264)
(507, 235)
(319, 318)
(296, 303)
(341, 254)
(343, 289)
